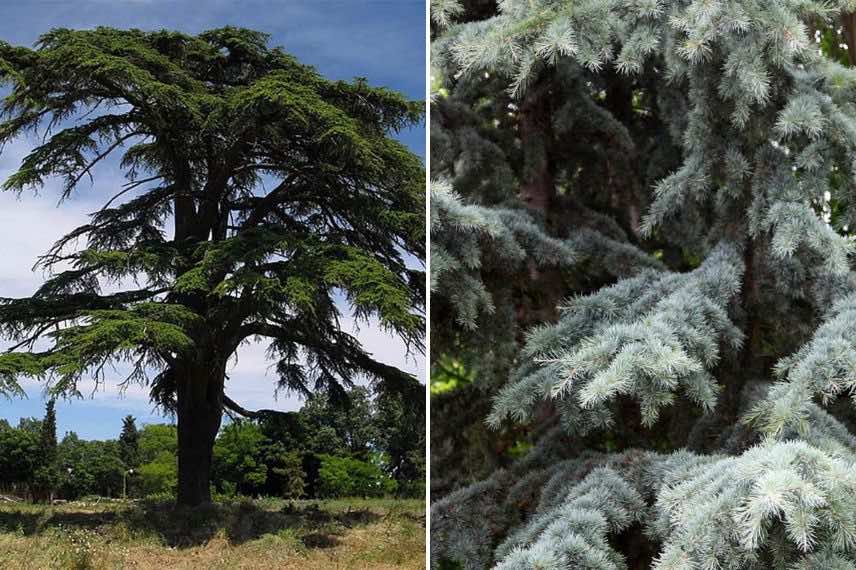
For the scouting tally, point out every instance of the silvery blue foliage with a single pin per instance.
(823, 368)
(651, 204)
(646, 337)
(469, 239)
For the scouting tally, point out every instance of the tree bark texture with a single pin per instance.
(199, 385)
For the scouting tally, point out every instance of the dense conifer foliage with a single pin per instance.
(642, 295)
(129, 442)
(261, 201)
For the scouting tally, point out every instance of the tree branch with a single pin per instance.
(393, 378)
(127, 188)
(236, 408)
(96, 160)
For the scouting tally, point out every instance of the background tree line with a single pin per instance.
(364, 445)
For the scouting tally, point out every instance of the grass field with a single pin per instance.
(268, 534)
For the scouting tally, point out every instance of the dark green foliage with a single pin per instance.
(90, 468)
(363, 426)
(401, 435)
(285, 477)
(129, 443)
(30, 463)
(159, 476)
(288, 428)
(340, 426)
(156, 439)
(271, 457)
(158, 470)
(46, 476)
(258, 193)
(19, 455)
(248, 462)
(47, 437)
(237, 454)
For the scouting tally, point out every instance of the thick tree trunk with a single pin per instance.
(623, 185)
(199, 391)
(848, 23)
(198, 379)
(538, 193)
(537, 189)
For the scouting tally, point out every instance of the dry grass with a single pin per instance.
(371, 534)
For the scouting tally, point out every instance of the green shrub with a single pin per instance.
(287, 477)
(165, 497)
(348, 477)
(228, 488)
(160, 475)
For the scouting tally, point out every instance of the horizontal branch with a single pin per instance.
(393, 378)
(233, 406)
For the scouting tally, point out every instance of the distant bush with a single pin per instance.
(227, 489)
(157, 476)
(287, 476)
(89, 468)
(154, 439)
(348, 477)
(247, 462)
(160, 475)
(165, 497)
(412, 489)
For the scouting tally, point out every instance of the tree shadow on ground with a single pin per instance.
(30, 523)
(183, 527)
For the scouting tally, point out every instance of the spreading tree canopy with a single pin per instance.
(642, 279)
(261, 199)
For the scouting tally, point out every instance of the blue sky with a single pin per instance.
(382, 40)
